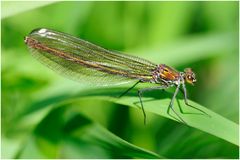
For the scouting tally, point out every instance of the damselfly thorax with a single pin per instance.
(83, 61)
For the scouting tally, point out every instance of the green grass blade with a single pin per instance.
(215, 125)
(76, 136)
(157, 102)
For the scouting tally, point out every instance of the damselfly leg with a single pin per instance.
(140, 95)
(184, 92)
(171, 104)
(140, 92)
(125, 92)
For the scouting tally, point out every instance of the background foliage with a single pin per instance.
(43, 115)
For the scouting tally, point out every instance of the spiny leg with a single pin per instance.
(140, 97)
(184, 92)
(171, 104)
(129, 89)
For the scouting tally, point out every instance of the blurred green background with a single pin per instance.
(37, 123)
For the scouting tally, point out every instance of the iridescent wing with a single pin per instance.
(85, 62)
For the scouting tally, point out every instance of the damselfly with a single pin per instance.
(81, 60)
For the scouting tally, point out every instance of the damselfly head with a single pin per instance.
(189, 76)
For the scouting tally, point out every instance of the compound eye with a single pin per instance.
(189, 78)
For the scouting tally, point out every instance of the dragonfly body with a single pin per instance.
(83, 61)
